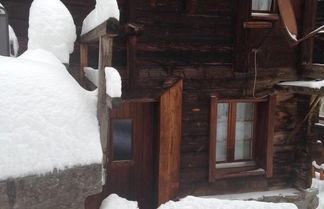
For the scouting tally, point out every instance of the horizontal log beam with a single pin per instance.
(109, 28)
(312, 71)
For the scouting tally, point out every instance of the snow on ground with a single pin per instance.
(51, 27)
(256, 195)
(191, 202)
(113, 201)
(309, 84)
(113, 82)
(47, 120)
(103, 11)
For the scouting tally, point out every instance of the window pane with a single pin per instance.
(244, 131)
(262, 5)
(122, 139)
(222, 127)
(244, 111)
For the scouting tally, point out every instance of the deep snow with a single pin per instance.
(51, 27)
(103, 11)
(113, 201)
(47, 120)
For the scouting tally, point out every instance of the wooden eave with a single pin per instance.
(148, 94)
(299, 90)
(110, 28)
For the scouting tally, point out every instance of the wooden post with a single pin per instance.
(105, 60)
(309, 20)
(83, 60)
(131, 61)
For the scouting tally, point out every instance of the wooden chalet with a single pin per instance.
(201, 112)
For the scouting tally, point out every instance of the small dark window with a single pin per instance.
(122, 131)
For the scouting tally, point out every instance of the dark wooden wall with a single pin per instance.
(319, 41)
(195, 39)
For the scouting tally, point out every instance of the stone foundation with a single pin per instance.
(58, 190)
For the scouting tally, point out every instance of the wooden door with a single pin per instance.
(130, 153)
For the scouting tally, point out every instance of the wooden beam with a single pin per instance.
(108, 28)
(131, 61)
(258, 25)
(312, 71)
(309, 20)
(105, 60)
(83, 60)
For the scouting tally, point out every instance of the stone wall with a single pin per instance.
(58, 190)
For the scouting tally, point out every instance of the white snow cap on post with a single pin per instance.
(113, 82)
(51, 27)
(113, 201)
(103, 11)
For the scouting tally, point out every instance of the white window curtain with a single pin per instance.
(262, 5)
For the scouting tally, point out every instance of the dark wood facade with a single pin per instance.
(209, 45)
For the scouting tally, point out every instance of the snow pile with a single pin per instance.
(113, 201)
(47, 120)
(92, 75)
(317, 183)
(51, 27)
(317, 166)
(309, 84)
(113, 82)
(191, 202)
(13, 42)
(103, 11)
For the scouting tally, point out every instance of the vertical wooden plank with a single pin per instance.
(105, 59)
(131, 61)
(83, 60)
(169, 144)
(212, 140)
(309, 20)
(270, 135)
(231, 132)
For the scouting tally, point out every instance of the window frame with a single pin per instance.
(263, 161)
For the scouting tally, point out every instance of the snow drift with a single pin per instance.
(113, 201)
(47, 120)
(51, 27)
(191, 202)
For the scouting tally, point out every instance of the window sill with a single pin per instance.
(258, 25)
(238, 172)
(264, 16)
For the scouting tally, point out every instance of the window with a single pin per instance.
(264, 10)
(241, 135)
(122, 134)
(262, 5)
